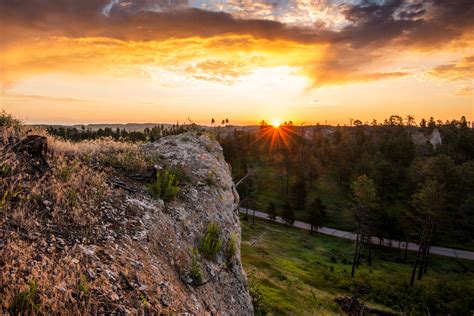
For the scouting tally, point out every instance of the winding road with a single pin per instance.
(441, 251)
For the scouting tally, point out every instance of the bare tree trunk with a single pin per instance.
(412, 280)
(361, 242)
(406, 251)
(428, 249)
(420, 249)
(370, 252)
(422, 260)
(355, 253)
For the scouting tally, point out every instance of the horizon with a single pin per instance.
(326, 61)
(231, 124)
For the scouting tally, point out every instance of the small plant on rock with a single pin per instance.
(231, 251)
(211, 242)
(165, 186)
(211, 179)
(196, 271)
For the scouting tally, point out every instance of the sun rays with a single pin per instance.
(276, 136)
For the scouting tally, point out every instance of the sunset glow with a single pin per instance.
(160, 61)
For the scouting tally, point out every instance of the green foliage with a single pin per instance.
(165, 186)
(211, 179)
(288, 214)
(294, 266)
(298, 193)
(195, 272)
(143, 299)
(429, 201)
(316, 213)
(8, 196)
(231, 250)
(83, 285)
(211, 242)
(258, 300)
(271, 211)
(26, 302)
(5, 170)
(364, 193)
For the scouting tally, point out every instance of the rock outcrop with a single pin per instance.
(132, 252)
(433, 138)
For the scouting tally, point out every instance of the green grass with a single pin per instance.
(301, 274)
(335, 197)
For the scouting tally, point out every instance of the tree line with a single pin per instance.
(399, 189)
(147, 134)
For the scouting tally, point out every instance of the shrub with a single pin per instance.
(196, 271)
(26, 302)
(165, 186)
(5, 170)
(211, 242)
(211, 179)
(7, 120)
(258, 300)
(230, 250)
(83, 285)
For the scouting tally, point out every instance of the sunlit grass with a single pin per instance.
(301, 274)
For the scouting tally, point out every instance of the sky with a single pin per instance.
(309, 61)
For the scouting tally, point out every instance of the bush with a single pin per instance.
(230, 250)
(165, 186)
(211, 242)
(83, 286)
(26, 302)
(211, 179)
(7, 120)
(196, 271)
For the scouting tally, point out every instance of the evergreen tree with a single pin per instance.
(316, 213)
(271, 211)
(365, 199)
(288, 214)
(298, 193)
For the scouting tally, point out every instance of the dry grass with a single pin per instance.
(66, 200)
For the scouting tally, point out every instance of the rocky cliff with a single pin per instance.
(83, 233)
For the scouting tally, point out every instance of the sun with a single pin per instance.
(276, 123)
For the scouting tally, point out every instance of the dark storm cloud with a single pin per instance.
(370, 23)
(372, 27)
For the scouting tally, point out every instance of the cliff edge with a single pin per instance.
(109, 227)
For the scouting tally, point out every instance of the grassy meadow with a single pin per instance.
(301, 274)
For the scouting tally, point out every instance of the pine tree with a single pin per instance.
(316, 213)
(271, 211)
(288, 214)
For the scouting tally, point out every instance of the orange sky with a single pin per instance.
(96, 61)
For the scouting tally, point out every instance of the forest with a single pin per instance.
(315, 173)
(378, 179)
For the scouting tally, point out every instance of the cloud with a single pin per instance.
(461, 70)
(348, 50)
(465, 91)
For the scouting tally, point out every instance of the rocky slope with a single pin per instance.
(83, 234)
